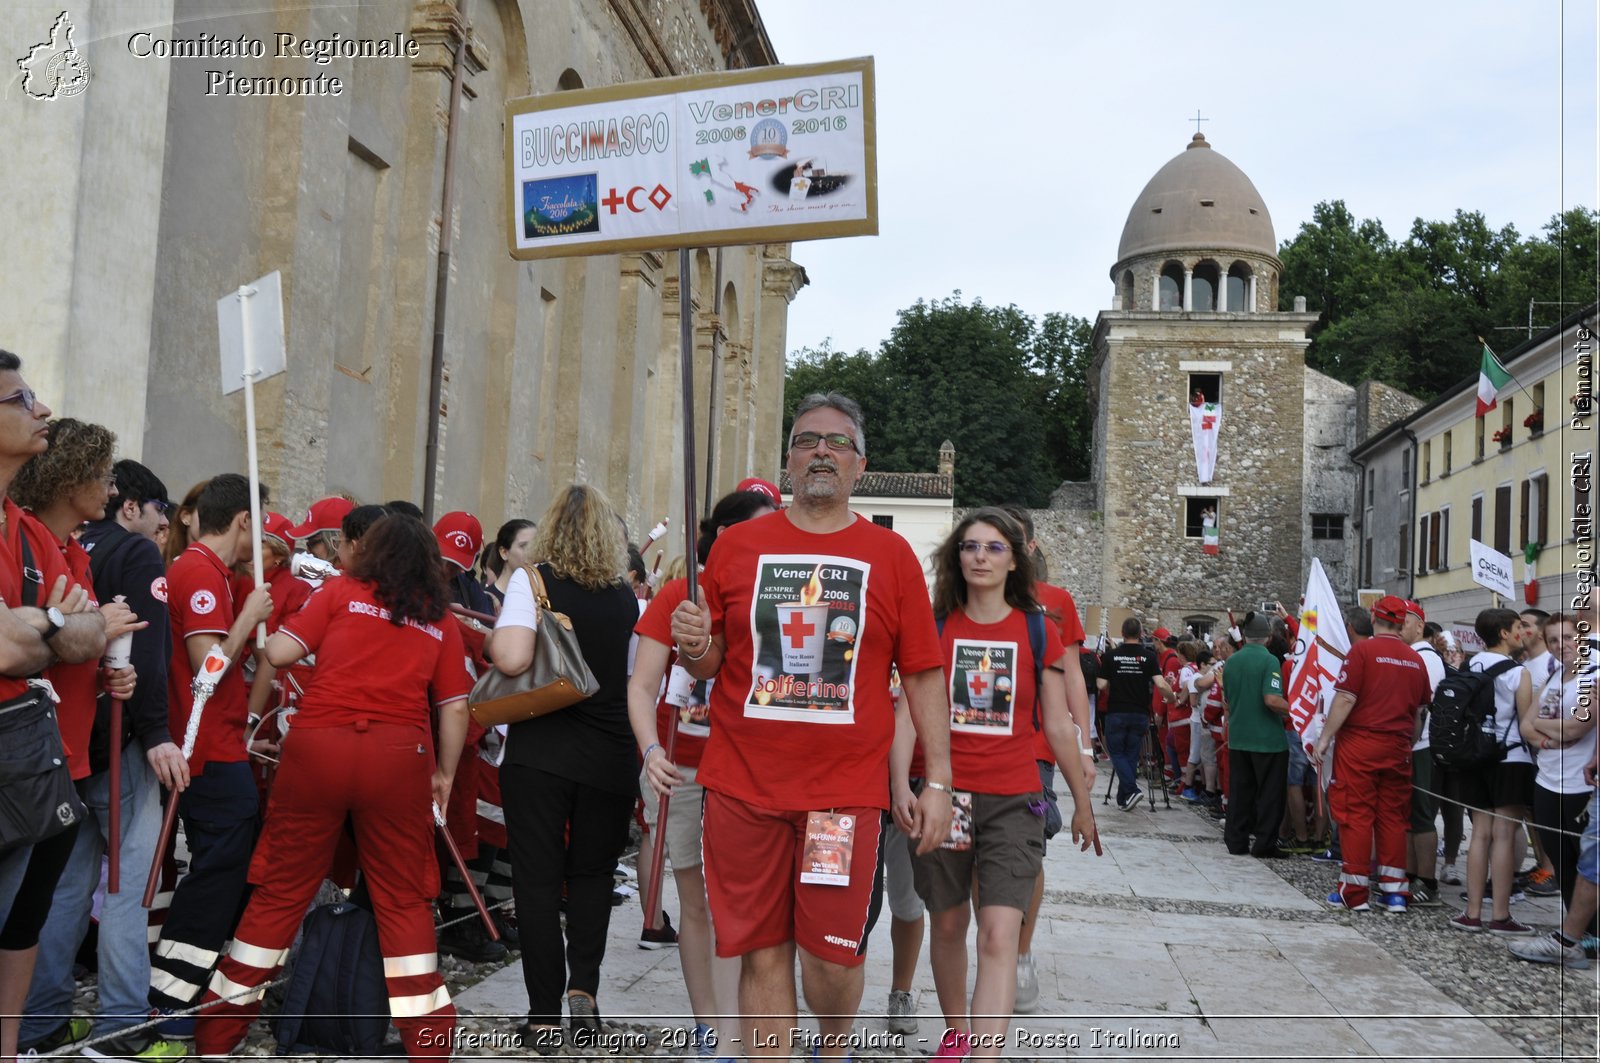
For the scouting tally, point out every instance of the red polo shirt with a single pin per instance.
(200, 602)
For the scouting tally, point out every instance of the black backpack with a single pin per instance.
(1463, 707)
(336, 1002)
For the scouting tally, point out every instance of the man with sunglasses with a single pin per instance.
(321, 532)
(804, 613)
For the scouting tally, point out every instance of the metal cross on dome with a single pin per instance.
(1197, 120)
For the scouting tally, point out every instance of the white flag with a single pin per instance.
(1204, 420)
(1319, 653)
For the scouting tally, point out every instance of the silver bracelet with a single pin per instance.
(929, 785)
(686, 655)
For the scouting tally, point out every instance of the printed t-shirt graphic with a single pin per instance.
(982, 676)
(804, 620)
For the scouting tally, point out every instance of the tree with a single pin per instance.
(1010, 393)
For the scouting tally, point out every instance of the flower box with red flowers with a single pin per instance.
(1534, 422)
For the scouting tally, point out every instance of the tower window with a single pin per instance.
(1327, 525)
(1197, 513)
(1239, 288)
(1205, 286)
(1208, 385)
(1171, 287)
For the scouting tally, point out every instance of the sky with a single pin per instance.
(1014, 136)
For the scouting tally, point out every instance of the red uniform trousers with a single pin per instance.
(1370, 799)
(1220, 736)
(379, 775)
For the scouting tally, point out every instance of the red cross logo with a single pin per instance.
(613, 201)
(798, 630)
(979, 684)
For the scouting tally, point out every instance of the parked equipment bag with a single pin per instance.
(337, 1002)
(1460, 730)
(557, 678)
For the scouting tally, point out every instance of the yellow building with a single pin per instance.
(1517, 476)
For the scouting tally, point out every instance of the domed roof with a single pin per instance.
(1199, 199)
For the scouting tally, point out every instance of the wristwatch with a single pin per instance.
(53, 617)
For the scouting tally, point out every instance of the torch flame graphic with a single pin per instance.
(811, 593)
(984, 664)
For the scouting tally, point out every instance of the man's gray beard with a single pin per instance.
(819, 490)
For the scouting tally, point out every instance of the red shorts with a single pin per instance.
(753, 887)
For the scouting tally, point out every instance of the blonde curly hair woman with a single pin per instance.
(569, 780)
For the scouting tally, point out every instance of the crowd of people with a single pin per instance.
(826, 738)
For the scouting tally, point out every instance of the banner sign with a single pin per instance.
(1490, 568)
(767, 155)
(1318, 656)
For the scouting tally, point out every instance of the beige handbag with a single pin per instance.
(558, 676)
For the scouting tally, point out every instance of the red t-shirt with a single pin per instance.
(200, 602)
(371, 668)
(812, 625)
(78, 685)
(289, 593)
(1388, 681)
(989, 668)
(46, 555)
(1171, 667)
(1058, 603)
(694, 714)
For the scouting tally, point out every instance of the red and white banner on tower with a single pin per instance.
(1204, 420)
(1318, 656)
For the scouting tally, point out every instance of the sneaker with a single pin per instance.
(625, 873)
(1508, 928)
(1337, 901)
(705, 1044)
(1547, 948)
(1133, 799)
(583, 1019)
(1027, 985)
(665, 938)
(1542, 883)
(1327, 856)
(70, 1032)
(1470, 923)
(1591, 946)
(1517, 895)
(469, 941)
(142, 1044)
(902, 1016)
(953, 1046)
(1393, 903)
(173, 1028)
(543, 1040)
(1423, 897)
(1451, 875)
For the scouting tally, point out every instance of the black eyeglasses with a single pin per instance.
(23, 397)
(836, 441)
(972, 546)
(162, 507)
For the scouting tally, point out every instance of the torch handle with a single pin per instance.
(466, 875)
(658, 838)
(167, 823)
(114, 798)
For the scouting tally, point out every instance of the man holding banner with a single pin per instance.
(1376, 714)
(805, 612)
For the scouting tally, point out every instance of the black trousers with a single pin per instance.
(1258, 790)
(1554, 813)
(562, 833)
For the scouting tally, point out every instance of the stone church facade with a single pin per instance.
(149, 196)
(1195, 310)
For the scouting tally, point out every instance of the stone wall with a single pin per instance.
(1330, 478)
(1377, 406)
(555, 371)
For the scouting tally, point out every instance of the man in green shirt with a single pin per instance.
(1258, 750)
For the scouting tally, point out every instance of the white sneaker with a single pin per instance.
(902, 1017)
(1450, 875)
(1027, 985)
(1546, 949)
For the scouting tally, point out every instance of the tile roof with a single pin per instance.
(893, 485)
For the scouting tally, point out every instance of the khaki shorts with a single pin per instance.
(683, 818)
(1007, 853)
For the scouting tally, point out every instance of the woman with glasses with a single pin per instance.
(1003, 665)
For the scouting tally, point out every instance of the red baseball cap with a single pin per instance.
(1415, 608)
(277, 526)
(760, 486)
(460, 537)
(326, 514)
(1161, 634)
(1391, 609)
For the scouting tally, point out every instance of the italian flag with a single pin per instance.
(1492, 379)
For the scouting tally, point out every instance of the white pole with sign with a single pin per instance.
(1490, 568)
(250, 331)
